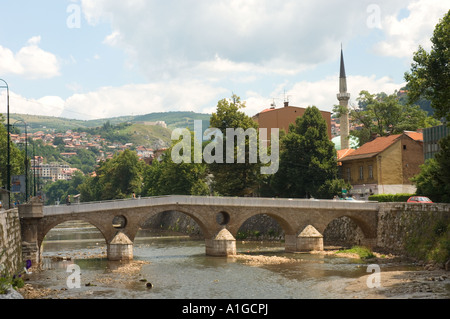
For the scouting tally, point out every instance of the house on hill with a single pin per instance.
(384, 165)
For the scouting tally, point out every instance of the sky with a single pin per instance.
(91, 59)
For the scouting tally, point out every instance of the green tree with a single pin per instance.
(59, 190)
(170, 178)
(434, 177)
(381, 115)
(115, 178)
(234, 179)
(308, 165)
(430, 72)
(91, 189)
(17, 157)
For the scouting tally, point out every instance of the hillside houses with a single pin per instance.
(72, 142)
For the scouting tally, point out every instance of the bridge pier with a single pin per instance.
(222, 244)
(30, 214)
(120, 248)
(308, 240)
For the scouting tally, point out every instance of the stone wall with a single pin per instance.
(10, 241)
(395, 222)
(342, 232)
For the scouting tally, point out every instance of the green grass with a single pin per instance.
(362, 252)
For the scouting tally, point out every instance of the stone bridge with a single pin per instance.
(219, 218)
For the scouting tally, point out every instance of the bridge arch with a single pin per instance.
(58, 221)
(165, 219)
(264, 226)
(238, 218)
(203, 220)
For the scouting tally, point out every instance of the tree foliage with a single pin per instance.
(308, 165)
(381, 115)
(17, 157)
(168, 178)
(59, 190)
(234, 179)
(434, 177)
(115, 178)
(430, 72)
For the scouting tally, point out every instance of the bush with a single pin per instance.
(430, 241)
(15, 281)
(390, 197)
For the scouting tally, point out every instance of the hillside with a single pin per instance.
(152, 136)
(59, 124)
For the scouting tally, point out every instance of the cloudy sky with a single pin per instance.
(89, 59)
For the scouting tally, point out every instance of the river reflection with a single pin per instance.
(178, 268)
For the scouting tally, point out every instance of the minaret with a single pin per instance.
(343, 98)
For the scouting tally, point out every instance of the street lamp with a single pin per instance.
(26, 158)
(8, 165)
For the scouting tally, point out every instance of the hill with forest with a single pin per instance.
(177, 119)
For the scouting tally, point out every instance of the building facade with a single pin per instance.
(281, 118)
(431, 138)
(384, 165)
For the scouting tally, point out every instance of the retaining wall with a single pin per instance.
(10, 241)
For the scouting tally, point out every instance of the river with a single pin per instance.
(177, 268)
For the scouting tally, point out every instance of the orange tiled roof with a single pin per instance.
(417, 136)
(345, 152)
(372, 148)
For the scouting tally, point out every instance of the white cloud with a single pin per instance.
(169, 39)
(321, 94)
(48, 105)
(404, 35)
(30, 61)
(142, 99)
(194, 96)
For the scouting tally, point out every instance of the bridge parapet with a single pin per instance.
(210, 201)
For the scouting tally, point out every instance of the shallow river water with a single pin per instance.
(178, 268)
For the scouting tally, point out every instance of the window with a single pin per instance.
(361, 173)
(349, 174)
(404, 147)
(370, 171)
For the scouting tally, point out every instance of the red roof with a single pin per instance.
(372, 148)
(344, 152)
(417, 136)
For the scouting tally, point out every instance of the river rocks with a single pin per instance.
(11, 294)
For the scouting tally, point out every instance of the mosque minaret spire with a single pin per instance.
(343, 98)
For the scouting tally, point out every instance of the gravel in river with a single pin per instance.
(430, 282)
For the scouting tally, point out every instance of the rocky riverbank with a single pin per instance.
(427, 281)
